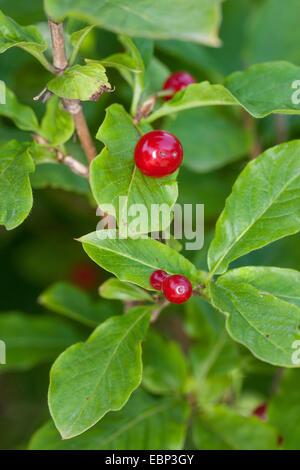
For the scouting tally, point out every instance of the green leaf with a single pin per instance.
(68, 300)
(223, 429)
(57, 125)
(76, 39)
(28, 38)
(194, 96)
(134, 260)
(34, 339)
(113, 174)
(15, 189)
(281, 283)
(145, 423)
(59, 176)
(259, 313)
(80, 82)
(103, 371)
(23, 116)
(194, 20)
(146, 49)
(115, 289)
(263, 206)
(119, 61)
(155, 76)
(165, 367)
(213, 356)
(211, 138)
(284, 410)
(202, 321)
(266, 88)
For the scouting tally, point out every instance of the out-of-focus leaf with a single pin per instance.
(28, 38)
(223, 429)
(210, 138)
(32, 339)
(119, 61)
(165, 367)
(213, 356)
(76, 39)
(284, 410)
(67, 300)
(193, 20)
(273, 32)
(263, 206)
(57, 175)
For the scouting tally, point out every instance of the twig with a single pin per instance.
(73, 107)
(158, 310)
(76, 166)
(146, 108)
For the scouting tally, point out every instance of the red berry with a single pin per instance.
(279, 440)
(260, 412)
(158, 154)
(84, 275)
(157, 278)
(177, 289)
(177, 81)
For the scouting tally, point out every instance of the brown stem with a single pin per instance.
(68, 160)
(84, 133)
(60, 63)
(250, 125)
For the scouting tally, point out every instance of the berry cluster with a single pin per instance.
(176, 288)
(159, 153)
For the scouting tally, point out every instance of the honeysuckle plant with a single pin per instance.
(180, 349)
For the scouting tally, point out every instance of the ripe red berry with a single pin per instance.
(177, 81)
(260, 412)
(177, 289)
(158, 154)
(84, 275)
(157, 278)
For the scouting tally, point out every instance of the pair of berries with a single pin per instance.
(159, 153)
(177, 289)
